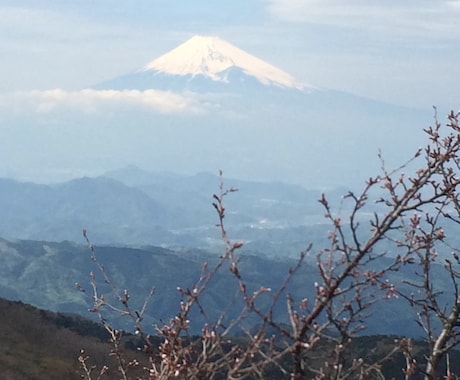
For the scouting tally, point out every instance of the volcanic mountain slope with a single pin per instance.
(256, 121)
(205, 63)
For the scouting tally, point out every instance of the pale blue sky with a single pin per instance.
(403, 52)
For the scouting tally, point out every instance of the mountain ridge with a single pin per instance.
(48, 272)
(130, 206)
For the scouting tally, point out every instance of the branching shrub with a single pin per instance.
(315, 340)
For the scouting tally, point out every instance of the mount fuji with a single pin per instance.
(257, 121)
(205, 63)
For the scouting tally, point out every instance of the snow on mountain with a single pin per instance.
(212, 57)
(205, 63)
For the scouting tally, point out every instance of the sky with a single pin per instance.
(52, 51)
(402, 52)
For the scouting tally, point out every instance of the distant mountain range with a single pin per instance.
(142, 209)
(135, 207)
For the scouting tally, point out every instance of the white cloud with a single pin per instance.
(90, 100)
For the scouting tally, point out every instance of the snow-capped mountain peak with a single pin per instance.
(213, 57)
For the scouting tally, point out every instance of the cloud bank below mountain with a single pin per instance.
(91, 101)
